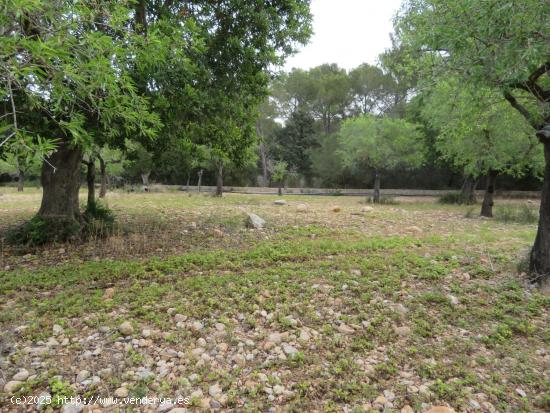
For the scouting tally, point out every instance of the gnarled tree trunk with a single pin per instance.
(376, 191)
(539, 263)
(60, 186)
(199, 181)
(90, 180)
(468, 191)
(487, 205)
(219, 181)
(20, 180)
(145, 181)
(103, 177)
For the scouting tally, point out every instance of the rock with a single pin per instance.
(165, 406)
(108, 293)
(389, 395)
(356, 272)
(126, 328)
(72, 408)
(278, 389)
(254, 221)
(474, 405)
(22, 375)
(407, 409)
(453, 299)
(197, 326)
(380, 401)
(275, 338)
(280, 202)
(82, 375)
(179, 410)
(218, 233)
(367, 209)
(440, 409)
(12, 386)
(521, 392)
(219, 326)
(289, 350)
(57, 329)
(215, 391)
(180, 318)
(301, 208)
(145, 333)
(414, 228)
(121, 392)
(403, 331)
(304, 335)
(336, 209)
(345, 329)
(44, 400)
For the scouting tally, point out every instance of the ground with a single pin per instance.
(332, 307)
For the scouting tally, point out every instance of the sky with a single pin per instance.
(347, 32)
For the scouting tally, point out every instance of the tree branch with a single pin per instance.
(521, 109)
(539, 72)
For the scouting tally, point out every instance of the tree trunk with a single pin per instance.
(90, 180)
(468, 191)
(376, 192)
(487, 205)
(145, 180)
(60, 186)
(188, 182)
(539, 262)
(199, 181)
(280, 191)
(20, 181)
(219, 181)
(103, 173)
(263, 157)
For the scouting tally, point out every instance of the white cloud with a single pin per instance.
(347, 32)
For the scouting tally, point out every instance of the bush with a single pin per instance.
(99, 220)
(451, 198)
(519, 215)
(40, 231)
(384, 200)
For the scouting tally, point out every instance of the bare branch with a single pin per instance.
(521, 109)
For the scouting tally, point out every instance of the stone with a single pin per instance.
(345, 329)
(57, 329)
(402, 331)
(356, 272)
(254, 221)
(108, 293)
(82, 375)
(72, 408)
(278, 389)
(301, 208)
(474, 405)
(407, 409)
(440, 409)
(304, 335)
(367, 209)
(215, 390)
(179, 410)
(218, 233)
(126, 328)
(336, 209)
(380, 401)
(12, 386)
(121, 392)
(289, 350)
(521, 392)
(275, 338)
(280, 202)
(197, 326)
(21, 375)
(453, 299)
(146, 333)
(180, 318)
(414, 228)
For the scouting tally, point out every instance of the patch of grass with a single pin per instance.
(451, 198)
(518, 215)
(39, 231)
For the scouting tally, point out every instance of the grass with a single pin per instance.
(386, 274)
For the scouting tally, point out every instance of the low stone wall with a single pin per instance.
(350, 192)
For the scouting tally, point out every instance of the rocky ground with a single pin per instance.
(331, 306)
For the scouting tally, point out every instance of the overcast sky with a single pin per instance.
(347, 32)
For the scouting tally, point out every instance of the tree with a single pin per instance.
(481, 134)
(293, 142)
(494, 44)
(371, 88)
(381, 143)
(65, 81)
(139, 163)
(280, 171)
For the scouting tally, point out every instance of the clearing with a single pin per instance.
(364, 309)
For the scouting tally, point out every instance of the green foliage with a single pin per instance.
(99, 220)
(452, 198)
(39, 231)
(60, 390)
(382, 143)
(514, 214)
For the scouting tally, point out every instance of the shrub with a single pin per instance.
(519, 215)
(40, 231)
(384, 200)
(451, 198)
(99, 219)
